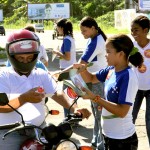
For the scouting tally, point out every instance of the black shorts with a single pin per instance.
(130, 143)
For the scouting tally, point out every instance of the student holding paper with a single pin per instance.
(67, 51)
(121, 85)
(95, 53)
(94, 58)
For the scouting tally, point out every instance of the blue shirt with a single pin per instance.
(120, 88)
(117, 87)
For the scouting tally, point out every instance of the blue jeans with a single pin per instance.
(97, 139)
(137, 104)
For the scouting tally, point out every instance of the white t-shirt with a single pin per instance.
(14, 85)
(95, 52)
(144, 73)
(68, 46)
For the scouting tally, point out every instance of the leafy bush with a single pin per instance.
(106, 20)
(107, 23)
(2, 49)
(2, 53)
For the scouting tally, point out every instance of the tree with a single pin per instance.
(16, 9)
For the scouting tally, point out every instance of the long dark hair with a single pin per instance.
(66, 25)
(89, 22)
(122, 42)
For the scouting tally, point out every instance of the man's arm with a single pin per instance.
(30, 96)
(63, 100)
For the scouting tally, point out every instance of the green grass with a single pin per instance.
(49, 26)
(3, 55)
(115, 31)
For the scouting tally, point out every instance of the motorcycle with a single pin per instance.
(50, 137)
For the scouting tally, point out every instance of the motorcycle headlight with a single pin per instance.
(66, 145)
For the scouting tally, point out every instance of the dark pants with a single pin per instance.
(130, 143)
(137, 104)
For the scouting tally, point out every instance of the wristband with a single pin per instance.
(96, 99)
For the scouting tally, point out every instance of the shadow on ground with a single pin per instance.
(85, 133)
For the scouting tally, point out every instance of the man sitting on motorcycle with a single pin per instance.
(21, 82)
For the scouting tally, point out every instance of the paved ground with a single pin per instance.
(83, 133)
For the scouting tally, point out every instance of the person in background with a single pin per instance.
(43, 57)
(121, 85)
(67, 52)
(140, 27)
(94, 52)
(21, 82)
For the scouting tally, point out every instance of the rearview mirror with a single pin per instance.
(3, 99)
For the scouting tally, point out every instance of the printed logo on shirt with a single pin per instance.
(142, 69)
(147, 53)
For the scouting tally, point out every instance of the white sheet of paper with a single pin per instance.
(53, 56)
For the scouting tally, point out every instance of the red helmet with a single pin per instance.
(32, 144)
(22, 42)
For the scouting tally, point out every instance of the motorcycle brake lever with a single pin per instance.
(20, 127)
(8, 126)
(72, 118)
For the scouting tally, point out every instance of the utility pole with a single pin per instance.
(129, 4)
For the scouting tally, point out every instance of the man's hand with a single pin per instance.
(32, 96)
(84, 112)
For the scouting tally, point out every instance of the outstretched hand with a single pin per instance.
(89, 94)
(80, 67)
(55, 52)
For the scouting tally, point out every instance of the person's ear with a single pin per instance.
(146, 30)
(122, 53)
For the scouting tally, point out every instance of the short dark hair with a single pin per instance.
(142, 21)
(30, 28)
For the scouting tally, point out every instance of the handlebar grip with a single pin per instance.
(9, 126)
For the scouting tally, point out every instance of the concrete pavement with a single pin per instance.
(83, 134)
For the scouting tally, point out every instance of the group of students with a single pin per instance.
(119, 77)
